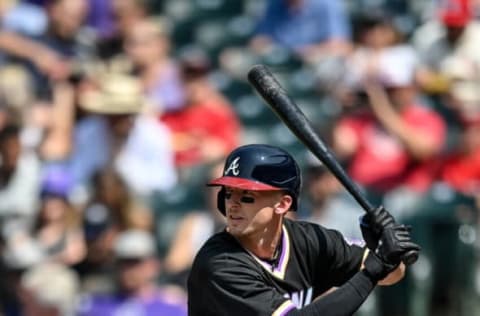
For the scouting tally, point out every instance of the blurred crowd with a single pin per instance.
(115, 113)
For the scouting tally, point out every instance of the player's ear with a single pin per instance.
(283, 206)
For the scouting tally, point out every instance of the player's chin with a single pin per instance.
(237, 229)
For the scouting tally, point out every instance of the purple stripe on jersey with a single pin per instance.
(288, 309)
(281, 262)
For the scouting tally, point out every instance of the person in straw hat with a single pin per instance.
(138, 144)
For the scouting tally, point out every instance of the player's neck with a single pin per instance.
(264, 243)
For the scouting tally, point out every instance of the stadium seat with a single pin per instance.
(211, 9)
(441, 283)
(281, 59)
(236, 89)
(170, 207)
(253, 111)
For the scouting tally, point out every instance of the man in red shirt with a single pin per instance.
(207, 129)
(394, 140)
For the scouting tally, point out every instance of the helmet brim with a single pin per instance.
(244, 184)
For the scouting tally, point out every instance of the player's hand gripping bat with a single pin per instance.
(277, 98)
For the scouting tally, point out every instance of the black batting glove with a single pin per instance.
(395, 241)
(372, 225)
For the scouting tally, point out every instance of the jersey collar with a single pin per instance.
(280, 268)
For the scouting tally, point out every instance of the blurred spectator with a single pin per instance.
(393, 140)
(329, 204)
(66, 18)
(57, 227)
(148, 47)
(65, 38)
(136, 270)
(125, 14)
(374, 33)
(137, 143)
(111, 211)
(313, 28)
(67, 35)
(206, 129)
(449, 49)
(49, 289)
(19, 179)
(193, 230)
(50, 54)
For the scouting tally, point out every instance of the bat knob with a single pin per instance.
(410, 257)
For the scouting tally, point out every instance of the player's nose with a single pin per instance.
(234, 203)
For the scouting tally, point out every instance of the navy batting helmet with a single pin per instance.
(259, 167)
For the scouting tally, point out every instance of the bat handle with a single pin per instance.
(410, 257)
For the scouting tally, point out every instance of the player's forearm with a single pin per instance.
(344, 301)
(395, 276)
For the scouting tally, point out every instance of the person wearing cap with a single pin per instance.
(451, 35)
(136, 143)
(266, 264)
(136, 271)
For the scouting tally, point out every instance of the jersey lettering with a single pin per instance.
(301, 298)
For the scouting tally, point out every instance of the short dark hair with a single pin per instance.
(195, 65)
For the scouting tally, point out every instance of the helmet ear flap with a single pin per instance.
(221, 200)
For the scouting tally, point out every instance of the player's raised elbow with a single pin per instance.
(394, 276)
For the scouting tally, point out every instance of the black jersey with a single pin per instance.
(226, 279)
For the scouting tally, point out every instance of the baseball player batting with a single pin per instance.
(266, 264)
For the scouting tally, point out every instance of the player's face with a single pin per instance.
(249, 212)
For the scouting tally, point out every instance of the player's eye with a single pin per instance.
(247, 199)
(243, 199)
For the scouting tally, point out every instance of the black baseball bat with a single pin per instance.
(288, 111)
